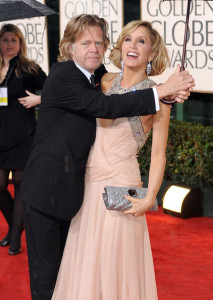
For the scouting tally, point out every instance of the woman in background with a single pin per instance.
(20, 77)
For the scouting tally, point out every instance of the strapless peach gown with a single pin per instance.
(107, 254)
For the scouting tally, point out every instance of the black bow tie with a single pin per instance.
(92, 79)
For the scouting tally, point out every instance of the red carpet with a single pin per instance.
(183, 256)
(182, 251)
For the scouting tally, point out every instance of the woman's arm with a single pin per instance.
(31, 100)
(32, 83)
(158, 162)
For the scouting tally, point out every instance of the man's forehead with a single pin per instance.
(91, 32)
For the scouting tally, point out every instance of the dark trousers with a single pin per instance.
(46, 237)
(12, 207)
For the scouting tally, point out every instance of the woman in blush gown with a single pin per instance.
(107, 254)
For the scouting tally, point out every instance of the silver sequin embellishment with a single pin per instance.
(135, 123)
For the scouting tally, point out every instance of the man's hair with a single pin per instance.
(74, 29)
(160, 56)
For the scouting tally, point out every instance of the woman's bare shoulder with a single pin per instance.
(107, 80)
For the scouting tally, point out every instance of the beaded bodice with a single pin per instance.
(134, 122)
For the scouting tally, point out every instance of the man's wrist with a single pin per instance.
(157, 105)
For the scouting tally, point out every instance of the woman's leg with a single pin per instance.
(6, 205)
(18, 223)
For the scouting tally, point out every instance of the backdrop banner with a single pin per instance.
(35, 33)
(168, 18)
(110, 10)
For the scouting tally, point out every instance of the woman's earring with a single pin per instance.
(148, 68)
(122, 66)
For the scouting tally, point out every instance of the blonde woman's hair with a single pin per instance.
(24, 64)
(75, 27)
(160, 56)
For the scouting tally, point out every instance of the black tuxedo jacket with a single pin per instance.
(53, 179)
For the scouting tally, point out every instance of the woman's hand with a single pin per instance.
(139, 206)
(31, 100)
(183, 95)
(179, 84)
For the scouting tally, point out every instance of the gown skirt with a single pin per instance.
(108, 254)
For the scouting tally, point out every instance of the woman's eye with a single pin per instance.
(127, 39)
(141, 41)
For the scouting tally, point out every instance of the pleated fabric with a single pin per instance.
(108, 254)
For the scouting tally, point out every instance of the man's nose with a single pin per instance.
(94, 47)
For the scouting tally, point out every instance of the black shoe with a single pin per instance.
(14, 252)
(4, 242)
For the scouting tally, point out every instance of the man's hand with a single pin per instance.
(178, 86)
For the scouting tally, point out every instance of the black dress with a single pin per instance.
(17, 123)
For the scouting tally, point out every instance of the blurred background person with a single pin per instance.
(20, 77)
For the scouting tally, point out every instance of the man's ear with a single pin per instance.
(70, 49)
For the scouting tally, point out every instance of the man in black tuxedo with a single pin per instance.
(53, 181)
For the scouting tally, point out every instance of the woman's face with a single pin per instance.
(136, 49)
(9, 44)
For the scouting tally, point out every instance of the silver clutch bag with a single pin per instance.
(114, 197)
